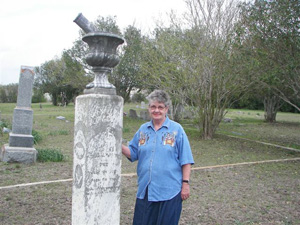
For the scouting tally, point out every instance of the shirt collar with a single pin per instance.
(165, 124)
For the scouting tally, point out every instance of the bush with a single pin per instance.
(3, 124)
(36, 137)
(138, 97)
(38, 97)
(50, 155)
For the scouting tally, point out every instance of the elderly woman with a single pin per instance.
(164, 164)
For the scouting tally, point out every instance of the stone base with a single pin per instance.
(98, 90)
(21, 140)
(18, 154)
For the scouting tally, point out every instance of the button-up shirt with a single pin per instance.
(161, 155)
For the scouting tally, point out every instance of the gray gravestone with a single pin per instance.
(132, 113)
(20, 147)
(97, 159)
(144, 115)
(98, 135)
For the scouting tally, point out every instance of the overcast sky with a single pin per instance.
(35, 31)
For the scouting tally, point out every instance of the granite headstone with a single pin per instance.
(20, 147)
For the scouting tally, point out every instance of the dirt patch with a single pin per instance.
(251, 194)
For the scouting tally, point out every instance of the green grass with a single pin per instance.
(49, 155)
(247, 194)
(59, 134)
(246, 124)
(36, 136)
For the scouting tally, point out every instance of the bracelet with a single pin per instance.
(186, 181)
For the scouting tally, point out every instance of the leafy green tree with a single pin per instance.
(49, 78)
(8, 93)
(107, 25)
(63, 78)
(3, 97)
(127, 75)
(197, 64)
(163, 65)
(269, 36)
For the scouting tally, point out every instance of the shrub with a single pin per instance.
(3, 124)
(138, 97)
(50, 155)
(36, 137)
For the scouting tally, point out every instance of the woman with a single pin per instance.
(164, 165)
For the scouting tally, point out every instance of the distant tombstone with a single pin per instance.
(20, 147)
(61, 118)
(144, 115)
(132, 113)
(227, 120)
(6, 130)
(237, 133)
(143, 105)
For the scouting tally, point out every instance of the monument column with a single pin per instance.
(98, 136)
(20, 148)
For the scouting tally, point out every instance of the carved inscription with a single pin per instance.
(78, 176)
(80, 146)
(97, 159)
(103, 168)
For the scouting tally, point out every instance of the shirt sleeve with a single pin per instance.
(133, 147)
(184, 149)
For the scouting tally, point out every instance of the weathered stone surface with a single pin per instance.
(99, 90)
(25, 87)
(20, 148)
(97, 159)
(22, 121)
(21, 140)
(132, 113)
(144, 115)
(18, 154)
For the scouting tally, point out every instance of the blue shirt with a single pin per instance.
(161, 155)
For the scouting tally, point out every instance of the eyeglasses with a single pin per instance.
(153, 107)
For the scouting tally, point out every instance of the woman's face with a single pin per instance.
(158, 111)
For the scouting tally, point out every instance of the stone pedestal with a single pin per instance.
(97, 159)
(20, 148)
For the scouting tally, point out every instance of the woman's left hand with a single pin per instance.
(185, 191)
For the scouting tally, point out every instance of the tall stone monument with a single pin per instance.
(20, 147)
(98, 135)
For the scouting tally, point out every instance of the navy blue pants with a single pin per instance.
(157, 213)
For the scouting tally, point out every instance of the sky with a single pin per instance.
(36, 31)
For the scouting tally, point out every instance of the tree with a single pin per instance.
(127, 75)
(8, 93)
(163, 65)
(63, 78)
(49, 78)
(196, 64)
(269, 34)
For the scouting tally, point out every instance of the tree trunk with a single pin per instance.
(271, 105)
(54, 98)
(207, 129)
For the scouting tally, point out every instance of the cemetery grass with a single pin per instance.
(254, 194)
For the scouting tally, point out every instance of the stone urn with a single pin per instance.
(102, 56)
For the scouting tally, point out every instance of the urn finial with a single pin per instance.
(102, 55)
